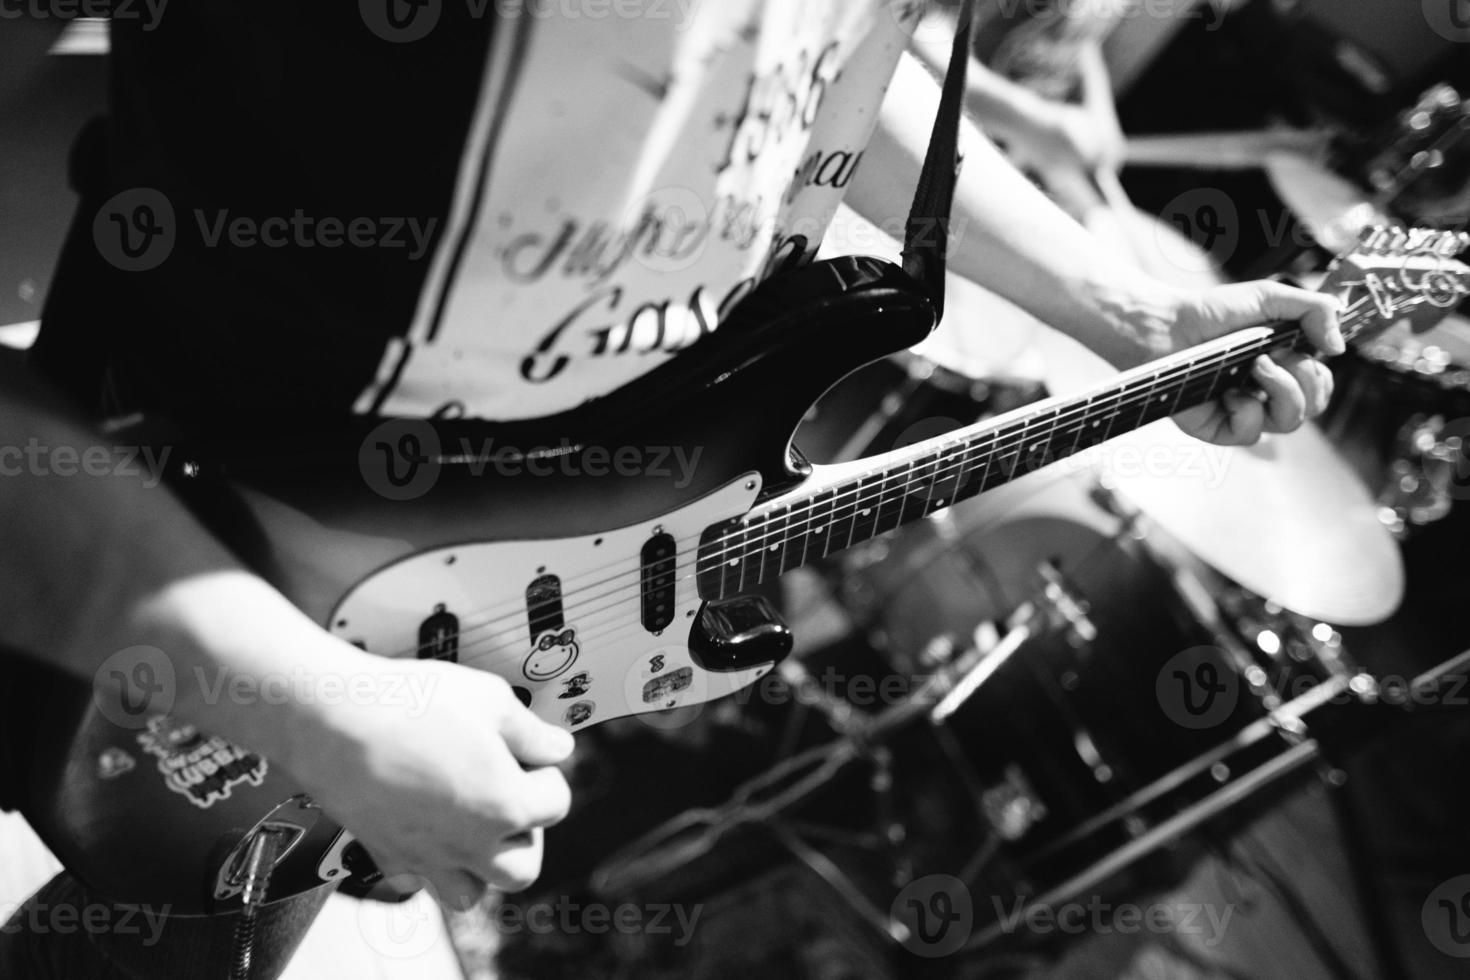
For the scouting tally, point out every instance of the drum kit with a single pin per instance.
(1117, 657)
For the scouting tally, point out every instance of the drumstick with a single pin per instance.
(1246, 150)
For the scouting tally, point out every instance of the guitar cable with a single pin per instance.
(260, 862)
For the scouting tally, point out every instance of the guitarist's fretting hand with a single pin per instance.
(1290, 389)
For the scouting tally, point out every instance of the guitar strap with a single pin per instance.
(926, 239)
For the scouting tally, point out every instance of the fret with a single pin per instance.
(819, 525)
(793, 539)
(983, 459)
(1036, 451)
(844, 516)
(1066, 435)
(869, 495)
(964, 470)
(915, 491)
(1181, 386)
(1227, 375)
(1093, 425)
(739, 558)
(1006, 454)
(1078, 424)
(1149, 402)
(771, 542)
(716, 578)
(797, 525)
(890, 502)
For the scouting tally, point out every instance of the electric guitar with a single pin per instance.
(596, 591)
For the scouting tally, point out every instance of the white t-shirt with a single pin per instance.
(626, 180)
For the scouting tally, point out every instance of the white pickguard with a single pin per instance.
(609, 666)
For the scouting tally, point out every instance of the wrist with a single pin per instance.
(1133, 317)
(245, 661)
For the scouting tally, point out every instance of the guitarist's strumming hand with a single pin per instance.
(457, 797)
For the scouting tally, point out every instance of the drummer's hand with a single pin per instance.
(1289, 388)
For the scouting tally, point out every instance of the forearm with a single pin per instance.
(1002, 107)
(1006, 235)
(101, 558)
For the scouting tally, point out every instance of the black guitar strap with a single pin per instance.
(926, 241)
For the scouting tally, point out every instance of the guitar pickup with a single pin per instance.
(544, 610)
(659, 561)
(439, 636)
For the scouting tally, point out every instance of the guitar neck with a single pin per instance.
(846, 505)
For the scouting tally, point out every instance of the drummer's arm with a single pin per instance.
(1007, 236)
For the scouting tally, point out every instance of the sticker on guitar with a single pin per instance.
(203, 769)
(554, 653)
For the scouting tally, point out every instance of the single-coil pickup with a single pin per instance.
(659, 558)
(544, 606)
(439, 636)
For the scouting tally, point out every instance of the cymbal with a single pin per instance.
(1286, 518)
(1331, 208)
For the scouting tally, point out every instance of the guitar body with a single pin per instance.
(528, 550)
(593, 559)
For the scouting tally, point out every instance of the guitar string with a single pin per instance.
(960, 449)
(961, 459)
(515, 607)
(952, 458)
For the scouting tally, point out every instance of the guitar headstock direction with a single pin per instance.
(1404, 274)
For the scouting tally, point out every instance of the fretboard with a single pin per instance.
(877, 495)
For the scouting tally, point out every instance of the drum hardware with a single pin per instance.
(765, 798)
(1421, 173)
(1399, 416)
(1059, 611)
